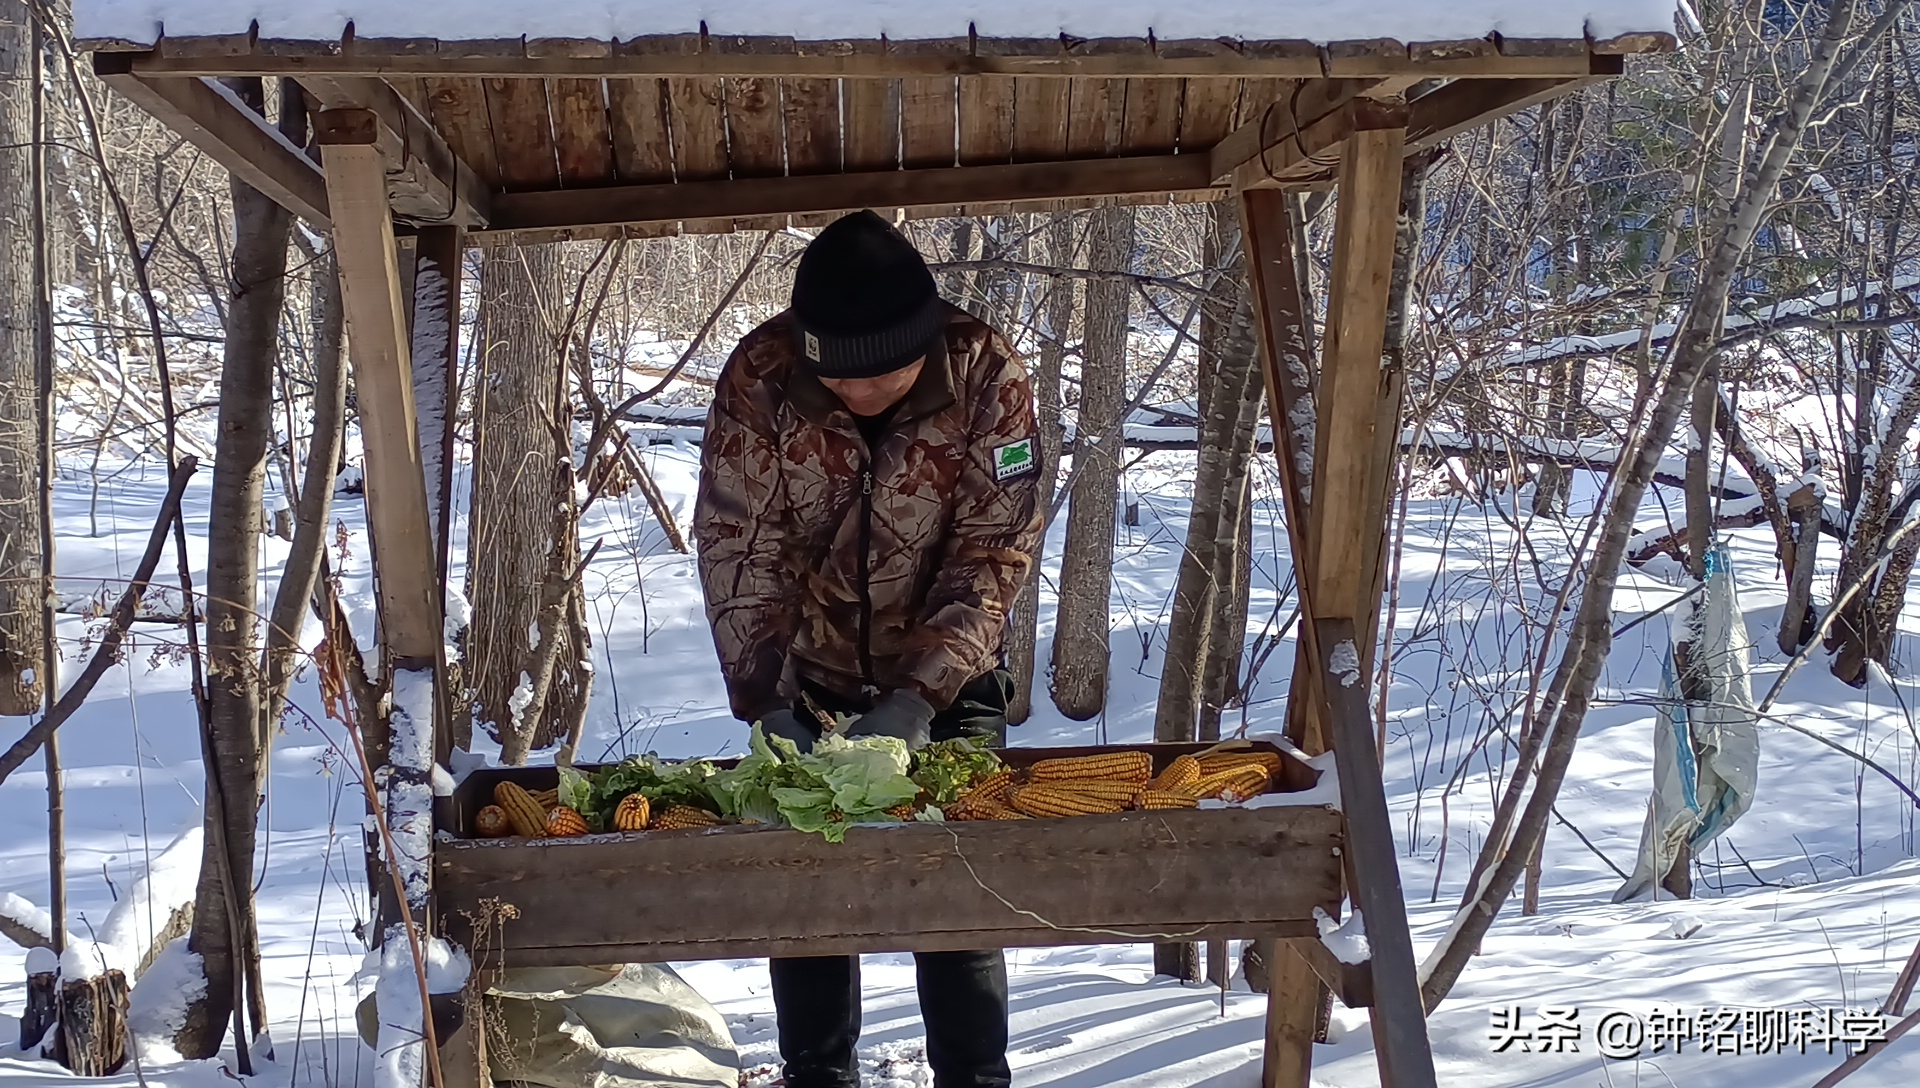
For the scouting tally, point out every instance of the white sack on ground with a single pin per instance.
(633, 1026)
(1706, 755)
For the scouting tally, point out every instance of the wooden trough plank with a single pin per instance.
(1098, 879)
(1126, 177)
(582, 135)
(639, 118)
(522, 134)
(852, 945)
(236, 138)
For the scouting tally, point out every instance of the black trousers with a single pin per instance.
(963, 995)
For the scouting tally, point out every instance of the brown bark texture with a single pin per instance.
(224, 932)
(1235, 400)
(1083, 617)
(512, 514)
(1023, 634)
(22, 665)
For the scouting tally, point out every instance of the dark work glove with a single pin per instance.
(785, 723)
(902, 714)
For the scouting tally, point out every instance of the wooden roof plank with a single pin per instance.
(754, 136)
(811, 112)
(458, 108)
(927, 135)
(1039, 119)
(699, 128)
(986, 111)
(522, 134)
(582, 133)
(1096, 109)
(1152, 122)
(872, 111)
(1207, 112)
(637, 113)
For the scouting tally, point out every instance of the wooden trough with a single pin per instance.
(732, 892)
(640, 120)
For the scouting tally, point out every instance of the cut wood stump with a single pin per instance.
(93, 1024)
(43, 1008)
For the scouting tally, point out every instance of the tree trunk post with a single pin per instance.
(1084, 616)
(1341, 490)
(22, 610)
(405, 575)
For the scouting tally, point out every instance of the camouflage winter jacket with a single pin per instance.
(865, 571)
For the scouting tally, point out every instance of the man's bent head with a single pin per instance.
(864, 308)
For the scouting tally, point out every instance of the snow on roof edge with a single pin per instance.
(143, 23)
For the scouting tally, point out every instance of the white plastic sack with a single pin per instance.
(1706, 757)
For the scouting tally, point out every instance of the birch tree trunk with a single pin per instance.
(1083, 618)
(22, 668)
(224, 933)
(1023, 637)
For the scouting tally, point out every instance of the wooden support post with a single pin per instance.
(1293, 1015)
(436, 349)
(376, 321)
(1335, 494)
(1399, 1019)
(435, 332)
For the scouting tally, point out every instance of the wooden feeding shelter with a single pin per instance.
(466, 121)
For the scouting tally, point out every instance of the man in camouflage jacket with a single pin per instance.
(868, 511)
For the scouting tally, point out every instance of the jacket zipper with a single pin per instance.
(866, 573)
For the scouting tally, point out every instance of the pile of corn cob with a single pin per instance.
(1115, 782)
(538, 814)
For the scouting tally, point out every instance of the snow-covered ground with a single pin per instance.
(1810, 903)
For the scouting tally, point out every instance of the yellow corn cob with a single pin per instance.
(994, 787)
(1158, 799)
(1236, 784)
(1135, 767)
(563, 822)
(523, 812)
(631, 815)
(983, 810)
(491, 822)
(1220, 762)
(903, 811)
(1180, 774)
(681, 817)
(1077, 798)
(548, 799)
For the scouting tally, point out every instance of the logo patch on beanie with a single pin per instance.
(1014, 460)
(812, 346)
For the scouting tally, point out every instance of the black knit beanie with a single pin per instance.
(864, 303)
